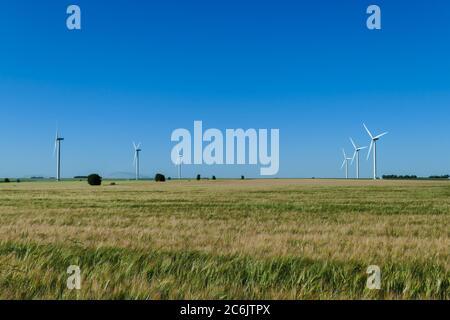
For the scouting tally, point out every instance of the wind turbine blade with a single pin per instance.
(362, 148)
(353, 143)
(381, 135)
(343, 152)
(343, 164)
(56, 142)
(370, 150)
(354, 156)
(134, 145)
(370, 134)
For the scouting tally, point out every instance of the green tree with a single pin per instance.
(94, 179)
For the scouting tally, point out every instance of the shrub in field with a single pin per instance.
(199, 177)
(6, 180)
(94, 180)
(214, 177)
(160, 177)
(242, 178)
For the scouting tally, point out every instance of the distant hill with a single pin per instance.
(124, 175)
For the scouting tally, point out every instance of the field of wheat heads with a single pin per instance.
(253, 239)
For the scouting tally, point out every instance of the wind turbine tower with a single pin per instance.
(57, 150)
(356, 155)
(180, 163)
(373, 145)
(137, 151)
(345, 163)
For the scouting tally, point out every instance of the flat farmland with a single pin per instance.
(225, 239)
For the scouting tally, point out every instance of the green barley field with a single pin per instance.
(224, 239)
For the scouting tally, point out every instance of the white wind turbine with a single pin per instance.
(136, 162)
(57, 153)
(179, 163)
(373, 145)
(345, 163)
(356, 155)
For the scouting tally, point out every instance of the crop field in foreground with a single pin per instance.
(253, 239)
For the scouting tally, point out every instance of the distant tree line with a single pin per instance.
(396, 177)
(440, 177)
(96, 179)
(7, 180)
(412, 177)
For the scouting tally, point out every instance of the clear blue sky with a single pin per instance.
(140, 69)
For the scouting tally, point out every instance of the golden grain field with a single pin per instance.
(225, 239)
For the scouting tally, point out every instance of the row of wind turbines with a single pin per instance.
(373, 146)
(136, 161)
(138, 150)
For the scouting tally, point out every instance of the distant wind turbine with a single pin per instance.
(57, 152)
(373, 145)
(345, 163)
(356, 155)
(136, 162)
(179, 164)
